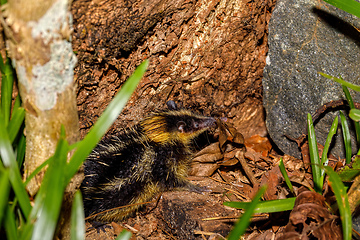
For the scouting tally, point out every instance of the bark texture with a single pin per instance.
(207, 55)
(40, 48)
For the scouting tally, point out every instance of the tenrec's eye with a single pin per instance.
(196, 125)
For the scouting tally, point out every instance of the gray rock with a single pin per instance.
(307, 37)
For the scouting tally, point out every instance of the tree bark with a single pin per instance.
(40, 48)
(39, 43)
(207, 54)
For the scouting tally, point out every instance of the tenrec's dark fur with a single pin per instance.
(140, 162)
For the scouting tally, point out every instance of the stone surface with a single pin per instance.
(307, 37)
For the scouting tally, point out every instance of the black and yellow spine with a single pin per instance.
(140, 162)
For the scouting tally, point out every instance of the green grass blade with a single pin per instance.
(20, 150)
(77, 218)
(270, 206)
(352, 106)
(244, 221)
(2, 65)
(342, 202)
(10, 225)
(27, 231)
(36, 171)
(17, 119)
(332, 132)
(46, 210)
(350, 6)
(347, 84)
(355, 114)
(105, 120)
(17, 102)
(286, 177)
(348, 173)
(124, 235)
(324, 158)
(314, 155)
(4, 192)
(346, 136)
(8, 158)
(6, 90)
(348, 96)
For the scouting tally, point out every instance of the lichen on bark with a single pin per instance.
(42, 55)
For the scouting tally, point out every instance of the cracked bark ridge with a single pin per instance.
(205, 54)
(310, 219)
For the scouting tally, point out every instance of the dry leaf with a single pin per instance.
(228, 134)
(310, 219)
(259, 144)
(203, 169)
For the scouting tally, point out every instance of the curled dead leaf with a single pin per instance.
(205, 163)
(310, 219)
(272, 179)
(208, 158)
(228, 134)
(213, 148)
(203, 169)
(222, 153)
(259, 144)
(228, 162)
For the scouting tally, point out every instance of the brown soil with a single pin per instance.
(207, 56)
